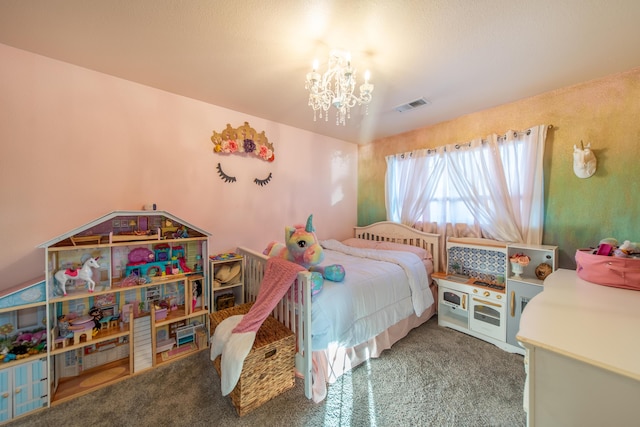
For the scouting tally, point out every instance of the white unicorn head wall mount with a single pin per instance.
(584, 161)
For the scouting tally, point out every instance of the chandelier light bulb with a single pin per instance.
(335, 88)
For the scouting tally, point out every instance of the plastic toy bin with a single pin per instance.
(268, 369)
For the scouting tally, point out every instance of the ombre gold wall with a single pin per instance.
(578, 212)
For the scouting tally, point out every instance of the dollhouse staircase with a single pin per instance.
(142, 352)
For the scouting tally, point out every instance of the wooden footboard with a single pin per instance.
(291, 310)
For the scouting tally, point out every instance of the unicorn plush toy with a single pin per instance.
(301, 246)
(233, 338)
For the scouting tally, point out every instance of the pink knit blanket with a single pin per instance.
(235, 335)
(278, 277)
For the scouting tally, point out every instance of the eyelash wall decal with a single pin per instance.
(263, 182)
(224, 176)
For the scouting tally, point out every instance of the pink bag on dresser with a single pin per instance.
(608, 270)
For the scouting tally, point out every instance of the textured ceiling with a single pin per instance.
(252, 55)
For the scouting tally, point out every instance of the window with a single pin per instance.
(495, 182)
(28, 318)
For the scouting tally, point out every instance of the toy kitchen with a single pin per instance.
(482, 294)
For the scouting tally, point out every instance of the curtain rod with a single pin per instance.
(484, 141)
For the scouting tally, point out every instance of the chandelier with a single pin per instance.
(335, 88)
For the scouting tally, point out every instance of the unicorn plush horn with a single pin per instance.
(309, 228)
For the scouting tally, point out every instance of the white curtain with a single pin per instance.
(494, 184)
(410, 183)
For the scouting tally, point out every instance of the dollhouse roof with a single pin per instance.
(127, 226)
(29, 292)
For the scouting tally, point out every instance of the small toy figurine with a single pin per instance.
(181, 233)
(65, 328)
(197, 292)
(96, 313)
(85, 273)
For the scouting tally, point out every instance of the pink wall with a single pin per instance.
(77, 144)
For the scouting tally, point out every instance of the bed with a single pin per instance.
(387, 292)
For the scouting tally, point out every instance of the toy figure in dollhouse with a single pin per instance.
(97, 315)
(181, 233)
(65, 328)
(85, 273)
(197, 293)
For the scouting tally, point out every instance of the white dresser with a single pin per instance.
(583, 350)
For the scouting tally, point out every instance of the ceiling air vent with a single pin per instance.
(412, 105)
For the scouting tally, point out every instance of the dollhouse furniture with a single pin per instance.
(84, 334)
(185, 334)
(582, 348)
(127, 294)
(164, 343)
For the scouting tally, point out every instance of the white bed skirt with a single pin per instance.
(330, 364)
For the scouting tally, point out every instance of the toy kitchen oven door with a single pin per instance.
(488, 313)
(454, 299)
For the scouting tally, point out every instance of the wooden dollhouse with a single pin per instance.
(23, 349)
(148, 264)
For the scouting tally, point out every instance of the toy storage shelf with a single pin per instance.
(150, 276)
(227, 280)
(525, 287)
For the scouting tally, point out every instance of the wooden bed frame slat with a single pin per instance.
(387, 231)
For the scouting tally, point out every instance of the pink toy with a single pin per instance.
(84, 273)
(140, 256)
(33, 338)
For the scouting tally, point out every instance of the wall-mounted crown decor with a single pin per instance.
(243, 140)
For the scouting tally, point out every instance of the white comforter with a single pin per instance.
(380, 289)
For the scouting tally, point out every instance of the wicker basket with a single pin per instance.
(268, 369)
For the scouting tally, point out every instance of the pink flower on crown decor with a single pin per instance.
(264, 152)
(226, 142)
(230, 146)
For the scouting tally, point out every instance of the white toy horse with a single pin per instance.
(584, 161)
(85, 273)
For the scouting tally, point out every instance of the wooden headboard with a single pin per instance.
(387, 231)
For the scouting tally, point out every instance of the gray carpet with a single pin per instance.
(433, 377)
